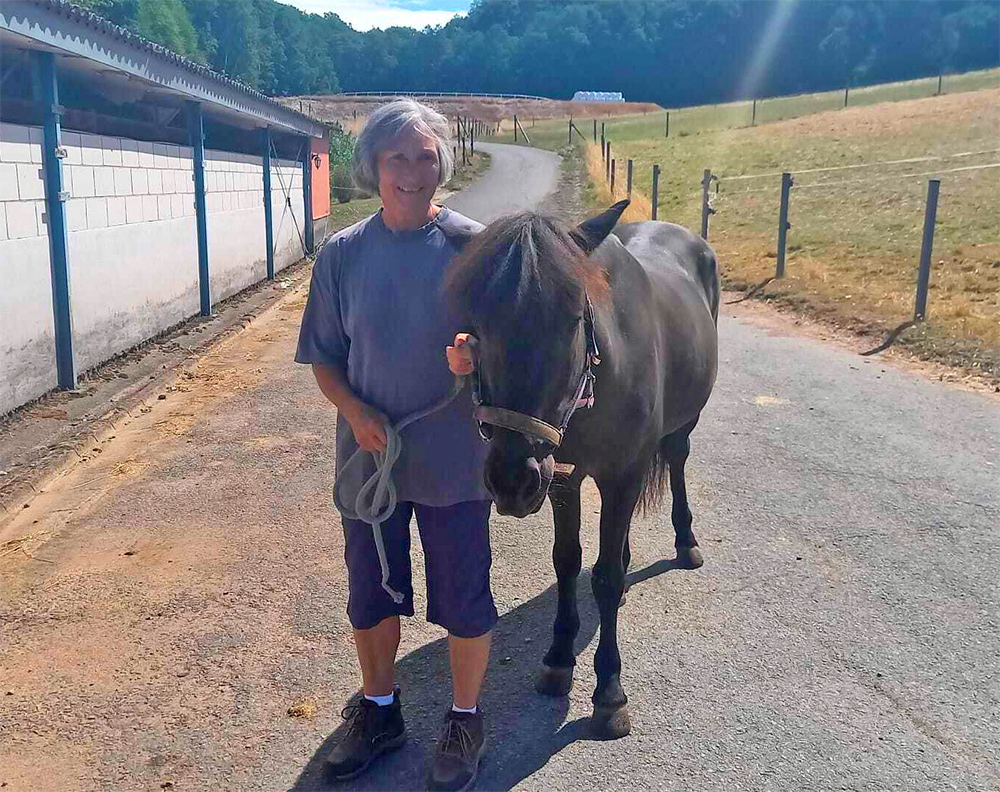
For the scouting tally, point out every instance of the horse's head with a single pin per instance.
(526, 286)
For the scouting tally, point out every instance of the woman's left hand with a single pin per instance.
(460, 354)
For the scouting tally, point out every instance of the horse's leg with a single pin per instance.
(676, 447)
(556, 677)
(626, 561)
(618, 501)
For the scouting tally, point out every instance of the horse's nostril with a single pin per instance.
(531, 478)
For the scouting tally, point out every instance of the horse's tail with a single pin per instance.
(708, 274)
(654, 484)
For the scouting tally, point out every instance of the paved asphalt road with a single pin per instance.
(843, 633)
(520, 179)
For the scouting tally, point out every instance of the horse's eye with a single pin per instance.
(540, 447)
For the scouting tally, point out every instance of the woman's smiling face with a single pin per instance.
(408, 171)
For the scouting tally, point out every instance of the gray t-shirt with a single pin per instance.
(376, 309)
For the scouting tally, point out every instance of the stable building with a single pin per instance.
(137, 189)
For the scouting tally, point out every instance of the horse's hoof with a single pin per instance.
(610, 723)
(555, 682)
(689, 558)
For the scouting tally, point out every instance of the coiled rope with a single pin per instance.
(375, 500)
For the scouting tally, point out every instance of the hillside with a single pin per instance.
(672, 52)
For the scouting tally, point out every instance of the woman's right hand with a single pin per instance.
(461, 357)
(368, 425)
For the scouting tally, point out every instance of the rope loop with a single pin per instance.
(376, 499)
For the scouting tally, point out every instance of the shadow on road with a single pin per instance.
(525, 729)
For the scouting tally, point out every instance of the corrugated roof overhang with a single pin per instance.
(70, 30)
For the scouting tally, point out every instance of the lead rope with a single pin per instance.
(375, 509)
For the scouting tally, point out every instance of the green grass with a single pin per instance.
(686, 121)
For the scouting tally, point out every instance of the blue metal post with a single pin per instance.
(197, 133)
(55, 208)
(268, 218)
(307, 195)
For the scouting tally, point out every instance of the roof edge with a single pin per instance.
(64, 26)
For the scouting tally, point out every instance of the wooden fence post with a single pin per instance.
(783, 224)
(607, 161)
(924, 274)
(629, 179)
(595, 130)
(706, 209)
(515, 127)
(753, 117)
(666, 131)
(940, 76)
(656, 189)
(847, 88)
(612, 180)
(569, 133)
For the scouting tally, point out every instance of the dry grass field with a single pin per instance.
(685, 121)
(856, 212)
(350, 111)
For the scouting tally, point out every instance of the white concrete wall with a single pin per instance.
(133, 248)
(27, 338)
(234, 197)
(133, 245)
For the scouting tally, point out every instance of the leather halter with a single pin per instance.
(535, 428)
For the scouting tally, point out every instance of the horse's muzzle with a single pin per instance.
(518, 489)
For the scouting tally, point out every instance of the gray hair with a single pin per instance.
(385, 125)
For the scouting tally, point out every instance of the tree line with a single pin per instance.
(674, 52)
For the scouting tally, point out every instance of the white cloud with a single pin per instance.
(368, 14)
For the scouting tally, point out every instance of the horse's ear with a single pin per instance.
(591, 233)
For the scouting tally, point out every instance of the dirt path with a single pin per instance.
(187, 594)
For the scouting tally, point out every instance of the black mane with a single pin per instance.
(522, 265)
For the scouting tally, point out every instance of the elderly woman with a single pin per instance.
(375, 330)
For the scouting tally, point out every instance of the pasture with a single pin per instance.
(855, 233)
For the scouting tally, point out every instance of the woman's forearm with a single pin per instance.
(333, 382)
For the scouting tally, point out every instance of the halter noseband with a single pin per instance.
(535, 428)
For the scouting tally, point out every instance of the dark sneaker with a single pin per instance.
(461, 746)
(370, 731)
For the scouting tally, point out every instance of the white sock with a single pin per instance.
(456, 708)
(382, 701)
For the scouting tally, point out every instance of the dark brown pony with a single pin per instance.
(634, 314)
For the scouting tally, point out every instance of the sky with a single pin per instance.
(368, 14)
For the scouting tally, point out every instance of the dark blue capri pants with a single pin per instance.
(456, 543)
